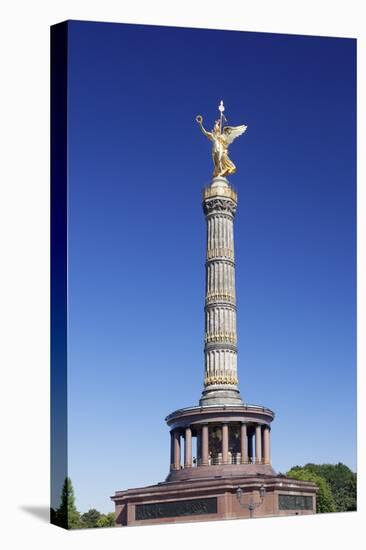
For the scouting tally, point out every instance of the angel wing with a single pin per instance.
(232, 132)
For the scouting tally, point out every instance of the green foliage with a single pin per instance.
(342, 481)
(93, 519)
(90, 518)
(106, 520)
(339, 479)
(324, 498)
(67, 515)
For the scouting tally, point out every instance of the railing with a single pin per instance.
(233, 459)
(217, 461)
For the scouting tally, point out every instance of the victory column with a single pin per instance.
(219, 206)
(231, 475)
(228, 431)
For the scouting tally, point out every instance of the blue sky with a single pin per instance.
(137, 166)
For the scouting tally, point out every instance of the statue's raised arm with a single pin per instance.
(199, 119)
(221, 139)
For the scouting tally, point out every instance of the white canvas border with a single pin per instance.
(25, 271)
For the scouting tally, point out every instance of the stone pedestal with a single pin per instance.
(213, 499)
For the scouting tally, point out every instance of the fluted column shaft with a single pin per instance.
(220, 322)
(219, 205)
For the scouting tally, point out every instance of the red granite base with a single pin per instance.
(213, 499)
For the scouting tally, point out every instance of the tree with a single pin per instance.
(90, 518)
(67, 515)
(106, 520)
(342, 481)
(324, 498)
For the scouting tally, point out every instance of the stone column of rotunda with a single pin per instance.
(220, 380)
(253, 446)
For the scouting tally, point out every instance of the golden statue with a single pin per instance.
(221, 138)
